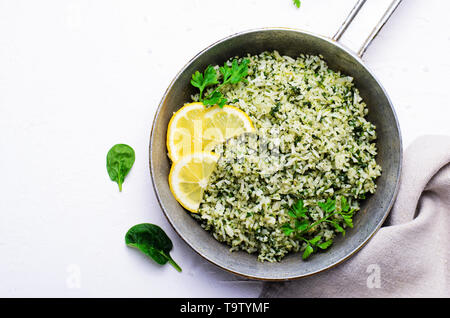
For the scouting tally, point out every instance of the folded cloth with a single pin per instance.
(409, 255)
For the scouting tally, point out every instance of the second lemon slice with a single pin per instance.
(188, 178)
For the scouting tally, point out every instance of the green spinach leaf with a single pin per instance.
(119, 160)
(151, 240)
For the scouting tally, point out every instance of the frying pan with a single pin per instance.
(291, 42)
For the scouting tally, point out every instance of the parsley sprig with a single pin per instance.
(230, 75)
(304, 225)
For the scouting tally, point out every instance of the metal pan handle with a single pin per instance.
(351, 16)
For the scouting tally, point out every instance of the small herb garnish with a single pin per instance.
(230, 75)
(119, 160)
(151, 240)
(304, 225)
(297, 3)
(275, 109)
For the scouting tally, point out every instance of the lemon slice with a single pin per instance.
(193, 128)
(189, 176)
(219, 124)
(184, 133)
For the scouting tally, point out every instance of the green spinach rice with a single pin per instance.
(312, 142)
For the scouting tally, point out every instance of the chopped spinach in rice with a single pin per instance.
(312, 142)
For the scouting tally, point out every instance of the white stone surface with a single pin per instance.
(77, 77)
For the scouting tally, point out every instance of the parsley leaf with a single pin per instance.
(301, 225)
(304, 228)
(315, 240)
(344, 204)
(226, 72)
(238, 71)
(325, 244)
(328, 206)
(292, 214)
(230, 75)
(298, 210)
(201, 81)
(297, 3)
(215, 98)
(287, 229)
(338, 227)
(308, 251)
(348, 220)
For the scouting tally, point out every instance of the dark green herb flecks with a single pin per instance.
(119, 160)
(151, 240)
(275, 109)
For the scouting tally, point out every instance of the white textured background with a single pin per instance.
(77, 77)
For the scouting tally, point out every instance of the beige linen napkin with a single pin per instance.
(409, 255)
